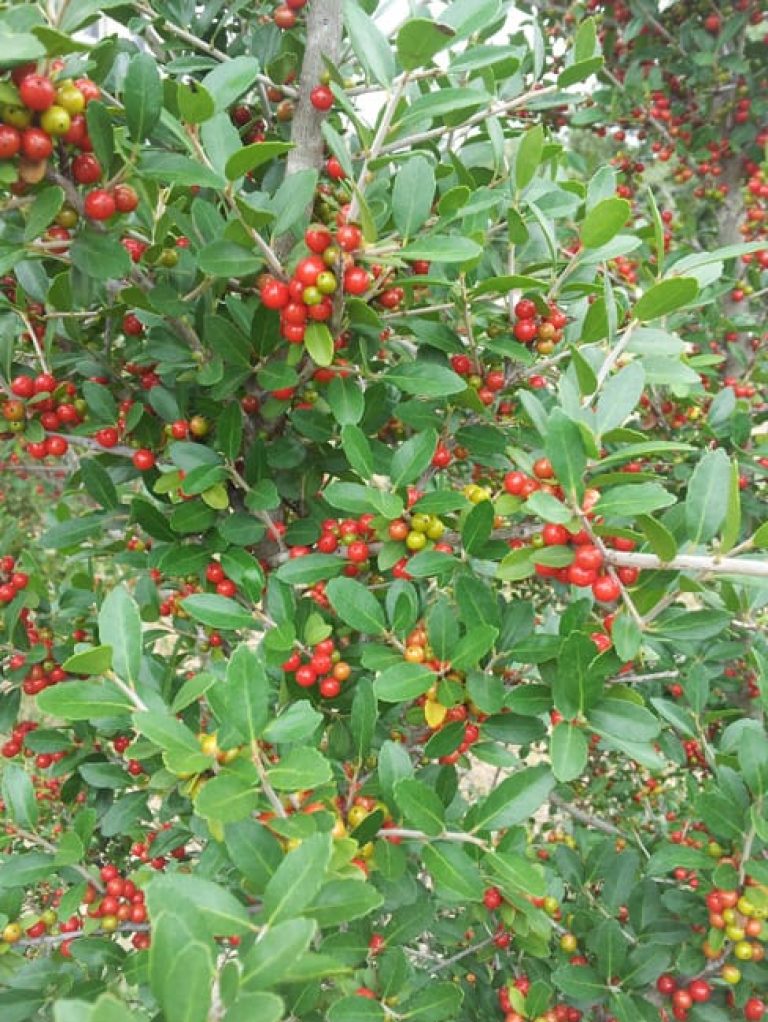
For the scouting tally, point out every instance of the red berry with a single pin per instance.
(356, 280)
(699, 990)
(23, 386)
(99, 205)
(126, 199)
(754, 1009)
(306, 676)
(329, 688)
(35, 144)
(274, 294)
(10, 141)
(37, 92)
(86, 169)
(143, 460)
(606, 589)
(349, 237)
(525, 309)
(666, 984)
(358, 552)
(321, 97)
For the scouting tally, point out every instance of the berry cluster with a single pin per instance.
(52, 403)
(486, 382)
(42, 112)
(587, 568)
(308, 295)
(532, 327)
(324, 668)
(12, 581)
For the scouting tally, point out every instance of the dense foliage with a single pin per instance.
(382, 577)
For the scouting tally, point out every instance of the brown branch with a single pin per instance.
(323, 40)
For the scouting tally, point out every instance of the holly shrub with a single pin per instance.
(383, 447)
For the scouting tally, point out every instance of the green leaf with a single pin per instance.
(95, 660)
(229, 430)
(579, 72)
(568, 750)
(363, 718)
(252, 156)
(665, 297)
(300, 769)
(515, 800)
(412, 195)
(47, 204)
(604, 221)
(669, 857)
(297, 879)
(443, 249)
(619, 396)
(346, 400)
(358, 450)
(356, 1009)
(424, 380)
(254, 851)
(586, 40)
(173, 168)
(96, 255)
(318, 340)
(622, 719)
(226, 798)
(98, 483)
(310, 569)
(84, 700)
(21, 806)
(371, 47)
(266, 962)
(218, 611)
(356, 606)
(181, 748)
(514, 874)
(472, 647)
(297, 722)
(455, 875)
(215, 908)
(576, 685)
(419, 39)
(248, 692)
(142, 96)
(403, 682)
(633, 499)
(661, 540)
(753, 760)
(477, 527)
(706, 502)
(565, 449)
(420, 805)
(262, 1006)
(101, 132)
(230, 79)
(438, 1002)
(224, 258)
(340, 901)
(580, 982)
(195, 103)
(292, 199)
(529, 155)
(413, 457)
(25, 868)
(120, 628)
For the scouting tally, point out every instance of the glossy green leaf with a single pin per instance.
(356, 606)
